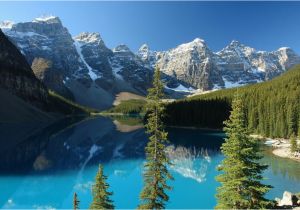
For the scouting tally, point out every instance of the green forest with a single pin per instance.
(272, 108)
(132, 106)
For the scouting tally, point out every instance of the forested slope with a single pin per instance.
(272, 108)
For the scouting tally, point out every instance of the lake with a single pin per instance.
(41, 169)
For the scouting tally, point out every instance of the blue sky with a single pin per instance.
(164, 25)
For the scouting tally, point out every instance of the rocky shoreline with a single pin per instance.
(288, 201)
(281, 147)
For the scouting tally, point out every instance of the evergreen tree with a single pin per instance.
(240, 181)
(299, 126)
(75, 202)
(156, 174)
(294, 146)
(272, 108)
(100, 192)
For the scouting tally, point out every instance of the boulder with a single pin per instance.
(288, 199)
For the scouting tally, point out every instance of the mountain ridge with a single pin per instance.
(83, 63)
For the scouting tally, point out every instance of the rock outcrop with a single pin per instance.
(84, 64)
(289, 200)
(17, 77)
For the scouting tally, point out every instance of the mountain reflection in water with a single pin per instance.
(64, 157)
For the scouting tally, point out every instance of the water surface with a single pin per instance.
(44, 169)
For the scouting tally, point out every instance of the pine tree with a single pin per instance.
(100, 192)
(299, 126)
(156, 174)
(294, 146)
(75, 202)
(240, 181)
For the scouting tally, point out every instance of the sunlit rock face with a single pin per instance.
(85, 64)
(192, 64)
(81, 64)
(189, 162)
(240, 64)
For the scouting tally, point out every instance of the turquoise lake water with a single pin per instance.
(46, 168)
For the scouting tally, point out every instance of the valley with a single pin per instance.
(149, 105)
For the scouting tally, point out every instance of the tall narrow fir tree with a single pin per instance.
(240, 181)
(294, 145)
(156, 174)
(75, 202)
(100, 192)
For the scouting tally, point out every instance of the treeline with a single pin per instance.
(272, 108)
(208, 113)
(66, 106)
(132, 106)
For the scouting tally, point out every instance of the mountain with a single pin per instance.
(85, 70)
(241, 64)
(80, 68)
(22, 94)
(271, 107)
(16, 75)
(191, 64)
(195, 66)
(24, 98)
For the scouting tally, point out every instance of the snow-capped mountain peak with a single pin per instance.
(143, 52)
(144, 47)
(121, 48)
(84, 60)
(47, 19)
(6, 24)
(86, 37)
(198, 40)
(285, 49)
(196, 43)
(235, 43)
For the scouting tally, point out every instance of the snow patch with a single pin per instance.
(181, 88)
(6, 25)
(23, 34)
(88, 37)
(229, 84)
(116, 69)
(44, 18)
(92, 74)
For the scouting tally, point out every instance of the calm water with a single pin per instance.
(44, 169)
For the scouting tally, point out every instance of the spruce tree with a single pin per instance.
(156, 174)
(100, 192)
(75, 202)
(299, 126)
(293, 141)
(240, 181)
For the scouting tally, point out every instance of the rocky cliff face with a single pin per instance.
(241, 64)
(46, 38)
(84, 69)
(194, 66)
(16, 75)
(129, 67)
(83, 64)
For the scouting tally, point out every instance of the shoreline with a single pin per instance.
(194, 128)
(280, 146)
